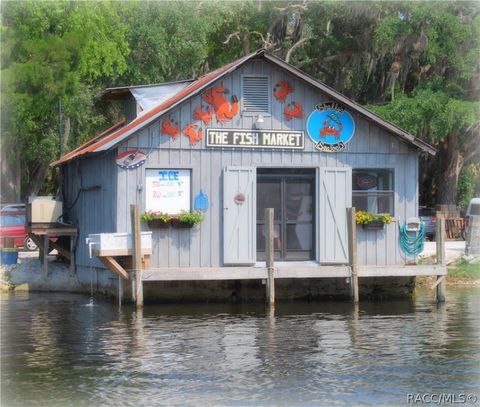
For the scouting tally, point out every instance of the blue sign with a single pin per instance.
(330, 127)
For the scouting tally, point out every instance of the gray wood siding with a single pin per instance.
(95, 211)
(371, 147)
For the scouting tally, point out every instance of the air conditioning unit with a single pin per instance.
(44, 209)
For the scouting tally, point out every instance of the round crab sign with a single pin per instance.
(330, 127)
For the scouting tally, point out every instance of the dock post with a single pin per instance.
(352, 249)
(137, 256)
(269, 253)
(440, 240)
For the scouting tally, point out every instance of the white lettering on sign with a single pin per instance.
(255, 139)
(167, 191)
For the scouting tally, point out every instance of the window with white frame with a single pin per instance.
(256, 94)
(373, 190)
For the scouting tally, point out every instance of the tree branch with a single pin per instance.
(236, 34)
(294, 47)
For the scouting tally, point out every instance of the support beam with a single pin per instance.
(113, 266)
(269, 253)
(45, 253)
(441, 261)
(137, 256)
(352, 249)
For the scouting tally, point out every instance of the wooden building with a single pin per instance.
(254, 134)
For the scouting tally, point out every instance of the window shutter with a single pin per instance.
(334, 196)
(239, 215)
(256, 94)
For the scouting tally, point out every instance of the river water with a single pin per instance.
(60, 350)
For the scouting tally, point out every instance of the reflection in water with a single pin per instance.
(58, 352)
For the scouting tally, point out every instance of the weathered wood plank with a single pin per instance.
(113, 266)
(137, 256)
(402, 271)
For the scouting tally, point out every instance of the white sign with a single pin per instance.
(167, 191)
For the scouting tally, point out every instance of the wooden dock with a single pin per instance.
(270, 271)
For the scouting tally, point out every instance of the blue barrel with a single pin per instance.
(8, 256)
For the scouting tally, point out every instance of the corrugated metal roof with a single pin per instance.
(108, 140)
(79, 150)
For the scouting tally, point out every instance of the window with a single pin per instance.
(256, 94)
(372, 190)
(167, 190)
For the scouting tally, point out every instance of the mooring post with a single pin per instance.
(441, 261)
(352, 249)
(137, 256)
(269, 252)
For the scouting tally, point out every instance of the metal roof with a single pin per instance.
(115, 135)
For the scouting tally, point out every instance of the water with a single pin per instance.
(59, 351)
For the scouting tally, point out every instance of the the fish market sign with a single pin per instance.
(330, 127)
(255, 138)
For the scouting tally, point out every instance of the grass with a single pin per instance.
(464, 269)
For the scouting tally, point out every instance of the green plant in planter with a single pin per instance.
(191, 218)
(149, 216)
(365, 218)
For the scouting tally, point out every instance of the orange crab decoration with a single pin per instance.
(170, 128)
(204, 116)
(224, 111)
(293, 109)
(281, 90)
(193, 133)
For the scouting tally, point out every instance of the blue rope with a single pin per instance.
(410, 243)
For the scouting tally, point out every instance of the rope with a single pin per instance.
(412, 244)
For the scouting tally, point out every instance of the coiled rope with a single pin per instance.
(411, 243)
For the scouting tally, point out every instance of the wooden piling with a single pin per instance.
(269, 253)
(441, 260)
(352, 249)
(137, 256)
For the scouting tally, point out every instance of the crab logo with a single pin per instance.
(330, 127)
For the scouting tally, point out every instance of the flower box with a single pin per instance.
(178, 224)
(158, 224)
(373, 225)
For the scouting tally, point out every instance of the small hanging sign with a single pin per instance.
(239, 199)
(131, 159)
(201, 202)
(366, 181)
(330, 127)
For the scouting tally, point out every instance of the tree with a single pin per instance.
(54, 55)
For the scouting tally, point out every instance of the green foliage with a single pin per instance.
(192, 217)
(467, 181)
(54, 54)
(364, 218)
(464, 269)
(148, 216)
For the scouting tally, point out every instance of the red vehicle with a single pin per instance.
(12, 224)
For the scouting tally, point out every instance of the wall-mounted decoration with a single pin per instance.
(170, 128)
(167, 190)
(365, 181)
(330, 127)
(224, 111)
(201, 202)
(131, 159)
(255, 138)
(193, 133)
(239, 199)
(281, 90)
(293, 109)
(204, 116)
